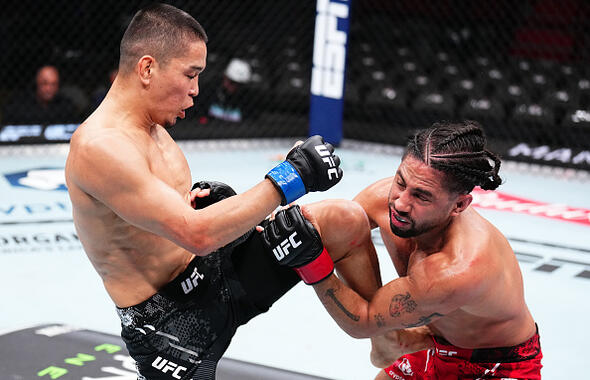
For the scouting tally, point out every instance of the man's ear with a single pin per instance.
(461, 203)
(145, 67)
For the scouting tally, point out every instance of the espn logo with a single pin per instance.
(166, 366)
(282, 249)
(190, 283)
(329, 48)
(328, 159)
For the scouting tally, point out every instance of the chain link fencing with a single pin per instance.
(518, 67)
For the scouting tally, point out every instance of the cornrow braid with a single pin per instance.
(458, 150)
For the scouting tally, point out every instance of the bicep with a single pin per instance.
(410, 302)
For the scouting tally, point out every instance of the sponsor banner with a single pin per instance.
(329, 62)
(36, 133)
(496, 200)
(39, 178)
(547, 155)
(14, 213)
(52, 237)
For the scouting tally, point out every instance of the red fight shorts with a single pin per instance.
(448, 362)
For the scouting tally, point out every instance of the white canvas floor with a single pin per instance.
(45, 276)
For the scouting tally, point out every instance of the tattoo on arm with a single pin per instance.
(424, 320)
(379, 320)
(401, 303)
(332, 294)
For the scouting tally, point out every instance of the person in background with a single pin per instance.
(230, 101)
(43, 106)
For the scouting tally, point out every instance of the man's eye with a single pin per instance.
(192, 76)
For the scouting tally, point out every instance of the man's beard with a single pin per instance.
(413, 231)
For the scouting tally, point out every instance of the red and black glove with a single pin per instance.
(295, 243)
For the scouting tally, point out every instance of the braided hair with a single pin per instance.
(459, 151)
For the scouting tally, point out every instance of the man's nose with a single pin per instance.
(402, 203)
(194, 91)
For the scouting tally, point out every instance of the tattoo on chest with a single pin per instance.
(424, 320)
(332, 294)
(401, 303)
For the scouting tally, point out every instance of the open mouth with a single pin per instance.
(398, 221)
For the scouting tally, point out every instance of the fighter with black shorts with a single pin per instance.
(145, 231)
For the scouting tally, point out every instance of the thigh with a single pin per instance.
(261, 278)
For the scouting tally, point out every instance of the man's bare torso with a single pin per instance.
(133, 263)
(498, 316)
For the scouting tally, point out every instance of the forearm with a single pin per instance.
(348, 309)
(395, 306)
(223, 222)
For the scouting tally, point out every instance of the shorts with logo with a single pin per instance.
(182, 331)
(448, 362)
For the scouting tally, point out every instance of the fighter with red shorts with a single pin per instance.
(457, 309)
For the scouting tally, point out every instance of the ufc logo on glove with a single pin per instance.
(282, 249)
(290, 230)
(305, 170)
(328, 159)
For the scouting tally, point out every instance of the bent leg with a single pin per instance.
(260, 277)
(346, 234)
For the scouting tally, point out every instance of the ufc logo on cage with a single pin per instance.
(329, 51)
(165, 366)
(328, 159)
(282, 249)
(190, 283)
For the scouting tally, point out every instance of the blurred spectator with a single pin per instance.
(43, 106)
(230, 101)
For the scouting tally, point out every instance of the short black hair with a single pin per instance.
(159, 30)
(458, 150)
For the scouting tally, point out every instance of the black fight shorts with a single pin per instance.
(182, 331)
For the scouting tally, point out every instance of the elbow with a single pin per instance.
(195, 238)
(358, 331)
(356, 334)
(200, 249)
(201, 244)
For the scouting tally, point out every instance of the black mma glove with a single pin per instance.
(311, 166)
(294, 242)
(218, 191)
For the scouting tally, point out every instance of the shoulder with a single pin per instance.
(470, 261)
(94, 137)
(443, 279)
(93, 147)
